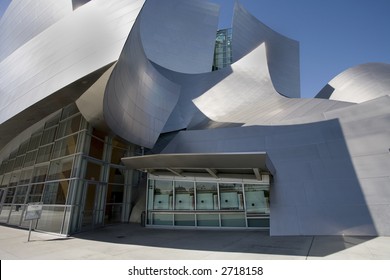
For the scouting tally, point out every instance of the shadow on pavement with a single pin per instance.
(238, 241)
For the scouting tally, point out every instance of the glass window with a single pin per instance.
(52, 218)
(96, 149)
(233, 220)
(5, 180)
(184, 195)
(55, 193)
(53, 121)
(207, 220)
(4, 214)
(44, 153)
(119, 150)
(161, 219)
(206, 196)
(117, 175)
(20, 195)
(231, 196)
(257, 198)
(9, 197)
(187, 220)
(40, 173)
(93, 171)
(66, 146)
(30, 158)
(163, 195)
(14, 179)
(115, 193)
(34, 141)
(23, 148)
(60, 169)
(10, 165)
(3, 167)
(69, 110)
(19, 162)
(35, 193)
(25, 176)
(48, 135)
(69, 126)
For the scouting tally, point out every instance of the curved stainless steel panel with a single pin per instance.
(282, 52)
(180, 34)
(83, 42)
(360, 83)
(138, 99)
(25, 19)
(247, 96)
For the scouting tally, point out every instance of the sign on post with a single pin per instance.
(33, 212)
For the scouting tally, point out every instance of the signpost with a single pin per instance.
(33, 212)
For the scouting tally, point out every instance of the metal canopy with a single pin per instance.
(214, 165)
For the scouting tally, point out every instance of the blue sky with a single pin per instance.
(333, 34)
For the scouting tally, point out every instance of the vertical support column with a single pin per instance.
(128, 188)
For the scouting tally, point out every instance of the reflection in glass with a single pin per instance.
(51, 219)
(233, 220)
(184, 195)
(60, 169)
(256, 198)
(35, 193)
(231, 196)
(40, 173)
(163, 195)
(4, 214)
(55, 193)
(185, 220)
(206, 196)
(65, 146)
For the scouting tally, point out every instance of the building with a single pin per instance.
(110, 109)
(223, 55)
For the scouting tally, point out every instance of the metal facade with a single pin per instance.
(330, 155)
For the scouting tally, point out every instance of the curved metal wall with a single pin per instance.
(359, 84)
(25, 19)
(175, 35)
(282, 52)
(138, 100)
(179, 34)
(248, 96)
(77, 46)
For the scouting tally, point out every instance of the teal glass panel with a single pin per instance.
(260, 223)
(206, 196)
(184, 195)
(207, 220)
(185, 220)
(257, 198)
(233, 220)
(163, 195)
(162, 219)
(231, 196)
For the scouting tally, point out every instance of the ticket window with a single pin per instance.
(231, 196)
(184, 195)
(206, 196)
(257, 198)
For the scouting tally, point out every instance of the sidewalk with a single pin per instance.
(133, 242)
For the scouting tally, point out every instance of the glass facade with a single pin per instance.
(207, 203)
(72, 169)
(223, 49)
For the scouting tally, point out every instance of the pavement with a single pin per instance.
(133, 242)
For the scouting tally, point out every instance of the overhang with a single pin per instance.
(215, 165)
